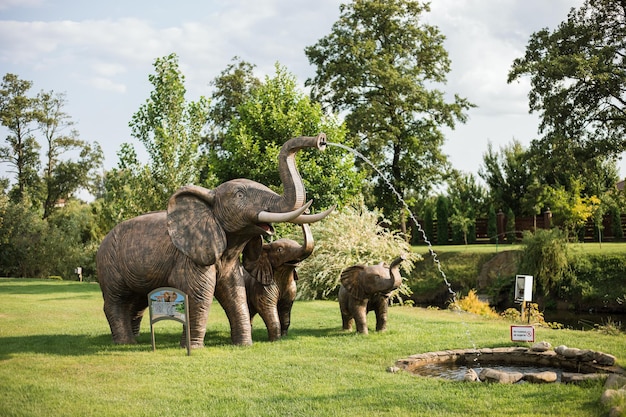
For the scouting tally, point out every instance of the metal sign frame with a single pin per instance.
(168, 303)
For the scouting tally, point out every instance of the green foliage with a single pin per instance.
(353, 235)
(170, 128)
(545, 257)
(36, 247)
(378, 66)
(443, 218)
(63, 177)
(510, 179)
(18, 114)
(576, 73)
(472, 304)
(273, 112)
(510, 226)
(599, 277)
(616, 223)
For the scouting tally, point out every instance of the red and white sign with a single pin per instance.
(522, 334)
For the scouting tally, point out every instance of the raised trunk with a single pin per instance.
(307, 246)
(294, 193)
(394, 270)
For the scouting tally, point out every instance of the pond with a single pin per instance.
(456, 372)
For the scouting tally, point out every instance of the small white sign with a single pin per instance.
(522, 334)
(523, 288)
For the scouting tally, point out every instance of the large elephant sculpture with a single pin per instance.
(367, 288)
(270, 276)
(196, 243)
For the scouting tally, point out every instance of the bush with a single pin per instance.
(472, 304)
(545, 257)
(351, 236)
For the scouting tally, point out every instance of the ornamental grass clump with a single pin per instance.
(350, 236)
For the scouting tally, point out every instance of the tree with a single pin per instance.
(62, 178)
(170, 128)
(510, 179)
(577, 77)
(18, 114)
(378, 66)
(233, 87)
(274, 112)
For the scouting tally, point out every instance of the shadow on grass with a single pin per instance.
(85, 345)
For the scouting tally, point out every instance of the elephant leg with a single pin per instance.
(360, 318)
(272, 322)
(381, 317)
(198, 314)
(138, 307)
(117, 312)
(346, 317)
(284, 315)
(233, 299)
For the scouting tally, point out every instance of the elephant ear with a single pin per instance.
(192, 226)
(256, 261)
(350, 281)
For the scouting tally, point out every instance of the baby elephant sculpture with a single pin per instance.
(366, 288)
(275, 263)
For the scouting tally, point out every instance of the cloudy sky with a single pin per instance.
(101, 53)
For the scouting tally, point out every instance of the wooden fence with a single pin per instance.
(522, 224)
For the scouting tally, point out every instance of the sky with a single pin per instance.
(100, 55)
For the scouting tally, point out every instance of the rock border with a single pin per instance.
(582, 364)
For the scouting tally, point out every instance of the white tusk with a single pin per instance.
(269, 217)
(312, 218)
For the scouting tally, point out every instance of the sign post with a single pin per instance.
(524, 291)
(167, 303)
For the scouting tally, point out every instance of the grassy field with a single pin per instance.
(589, 247)
(57, 359)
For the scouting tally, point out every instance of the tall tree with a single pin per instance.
(509, 177)
(577, 75)
(276, 110)
(233, 87)
(378, 66)
(170, 128)
(63, 177)
(18, 113)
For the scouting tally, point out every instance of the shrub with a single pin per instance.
(545, 257)
(472, 304)
(351, 236)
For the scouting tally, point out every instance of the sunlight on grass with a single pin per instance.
(58, 360)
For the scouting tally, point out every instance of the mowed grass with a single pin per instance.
(57, 359)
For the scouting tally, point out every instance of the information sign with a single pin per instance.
(167, 303)
(522, 334)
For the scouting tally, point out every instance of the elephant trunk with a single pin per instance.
(307, 246)
(294, 193)
(394, 270)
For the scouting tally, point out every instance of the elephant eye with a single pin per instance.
(280, 249)
(239, 195)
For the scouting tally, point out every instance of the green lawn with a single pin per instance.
(57, 359)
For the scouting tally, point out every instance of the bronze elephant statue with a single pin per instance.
(270, 276)
(367, 288)
(195, 245)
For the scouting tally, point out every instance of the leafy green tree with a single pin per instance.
(170, 128)
(379, 66)
(233, 87)
(577, 74)
(508, 177)
(510, 226)
(545, 257)
(63, 177)
(275, 112)
(18, 113)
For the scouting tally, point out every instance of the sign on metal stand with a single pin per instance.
(167, 303)
(524, 291)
